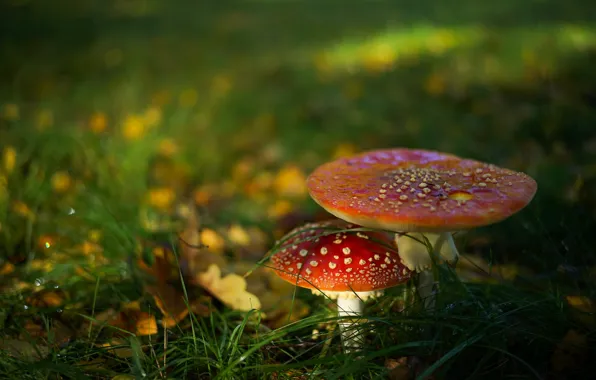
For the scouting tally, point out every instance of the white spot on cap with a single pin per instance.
(314, 263)
(332, 265)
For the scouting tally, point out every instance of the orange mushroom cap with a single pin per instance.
(409, 190)
(328, 257)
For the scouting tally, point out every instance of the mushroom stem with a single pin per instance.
(415, 255)
(350, 306)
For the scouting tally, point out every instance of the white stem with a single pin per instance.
(415, 255)
(350, 307)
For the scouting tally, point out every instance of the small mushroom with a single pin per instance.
(426, 194)
(349, 266)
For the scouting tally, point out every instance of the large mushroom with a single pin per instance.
(423, 193)
(343, 264)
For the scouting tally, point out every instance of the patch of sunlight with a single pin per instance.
(382, 51)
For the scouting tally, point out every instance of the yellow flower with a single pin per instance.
(98, 122)
(134, 127)
(161, 198)
(61, 181)
(9, 159)
(10, 112)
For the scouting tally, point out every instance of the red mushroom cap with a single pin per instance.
(326, 257)
(419, 190)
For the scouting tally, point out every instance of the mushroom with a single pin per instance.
(426, 194)
(349, 266)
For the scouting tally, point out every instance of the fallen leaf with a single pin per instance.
(230, 289)
(161, 198)
(212, 240)
(583, 310)
(118, 347)
(61, 181)
(46, 298)
(6, 269)
(170, 302)
(145, 324)
(290, 181)
(133, 127)
(398, 369)
(194, 257)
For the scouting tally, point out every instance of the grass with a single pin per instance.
(121, 114)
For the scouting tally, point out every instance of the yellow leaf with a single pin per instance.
(123, 377)
(10, 112)
(584, 310)
(238, 235)
(145, 324)
(98, 122)
(41, 265)
(290, 181)
(279, 209)
(118, 347)
(61, 181)
(134, 127)
(202, 195)
(94, 235)
(161, 198)
(212, 240)
(9, 159)
(230, 289)
(6, 268)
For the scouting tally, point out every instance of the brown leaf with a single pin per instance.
(583, 310)
(398, 368)
(170, 302)
(194, 257)
(145, 324)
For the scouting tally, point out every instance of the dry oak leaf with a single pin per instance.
(230, 289)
